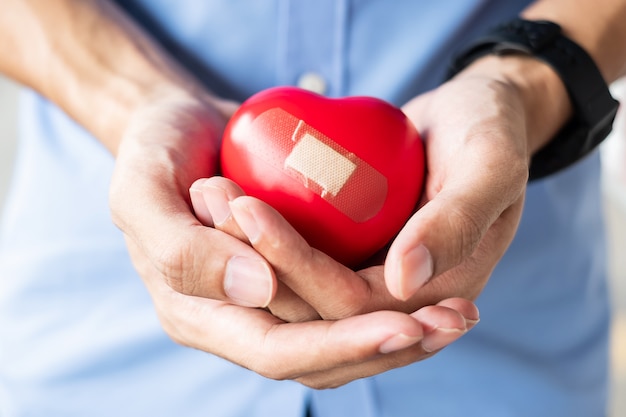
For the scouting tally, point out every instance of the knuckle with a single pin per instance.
(467, 222)
(174, 261)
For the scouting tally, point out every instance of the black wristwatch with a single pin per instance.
(594, 107)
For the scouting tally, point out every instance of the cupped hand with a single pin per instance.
(206, 285)
(477, 157)
(475, 132)
(171, 141)
(315, 280)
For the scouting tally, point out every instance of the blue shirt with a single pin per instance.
(78, 333)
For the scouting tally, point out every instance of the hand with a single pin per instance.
(310, 278)
(169, 143)
(311, 274)
(476, 135)
(475, 132)
(318, 353)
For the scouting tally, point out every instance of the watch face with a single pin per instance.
(346, 173)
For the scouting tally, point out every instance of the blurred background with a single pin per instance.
(614, 185)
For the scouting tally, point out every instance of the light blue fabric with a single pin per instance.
(78, 334)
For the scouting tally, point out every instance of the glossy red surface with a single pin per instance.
(346, 173)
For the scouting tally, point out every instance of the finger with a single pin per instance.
(446, 231)
(442, 326)
(440, 329)
(466, 308)
(193, 259)
(418, 254)
(259, 341)
(211, 197)
(199, 206)
(332, 289)
(477, 169)
(233, 272)
(290, 307)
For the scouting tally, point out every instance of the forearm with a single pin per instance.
(89, 58)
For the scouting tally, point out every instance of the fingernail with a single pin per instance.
(398, 342)
(217, 203)
(472, 318)
(248, 282)
(246, 221)
(440, 338)
(469, 323)
(198, 184)
(199, 206)
(417, 267)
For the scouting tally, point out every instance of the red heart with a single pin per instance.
(346, 173)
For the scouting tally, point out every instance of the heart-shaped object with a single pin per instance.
(346, 173)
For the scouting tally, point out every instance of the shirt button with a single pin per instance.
(312, 81)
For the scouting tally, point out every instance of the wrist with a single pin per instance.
(542, 94)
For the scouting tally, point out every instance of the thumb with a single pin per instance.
(443, 234)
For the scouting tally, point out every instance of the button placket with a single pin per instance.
(311, 45)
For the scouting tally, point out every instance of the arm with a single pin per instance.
(105, 72)
(87, 54)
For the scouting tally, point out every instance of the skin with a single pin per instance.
(187, 230)
(462, 270)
